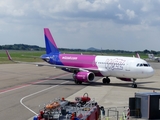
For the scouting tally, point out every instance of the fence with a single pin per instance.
(119, 113)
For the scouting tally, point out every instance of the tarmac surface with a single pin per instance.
(24, 89)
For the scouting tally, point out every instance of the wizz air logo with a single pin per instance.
(115, 64)
(69, 58)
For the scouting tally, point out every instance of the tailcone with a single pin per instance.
(45, 57)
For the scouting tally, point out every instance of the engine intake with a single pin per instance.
(84, 76)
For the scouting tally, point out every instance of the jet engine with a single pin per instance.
(84, 76)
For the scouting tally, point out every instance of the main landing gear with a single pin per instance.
(78, 82)
(134, 85)
(106, 80)
(75, 80)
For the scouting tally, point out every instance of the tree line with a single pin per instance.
(37, 48)
(21, 47)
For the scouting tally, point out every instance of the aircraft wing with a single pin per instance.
(70, 67)
(51, 65)
(10, 58)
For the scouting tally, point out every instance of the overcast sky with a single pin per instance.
(108, 24)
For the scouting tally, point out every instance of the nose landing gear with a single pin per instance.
(134, 85)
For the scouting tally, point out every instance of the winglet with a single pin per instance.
(138, 56)
(9, 57)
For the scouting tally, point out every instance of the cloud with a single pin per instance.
(120, 16)
(130, 13)
(98, 23)
(11, 8)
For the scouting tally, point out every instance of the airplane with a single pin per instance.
(152, 57)
(86, 67)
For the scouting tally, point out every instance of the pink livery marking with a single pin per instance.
(49, 36)
(82, 61)
(69, 58)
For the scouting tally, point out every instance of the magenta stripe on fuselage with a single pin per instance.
(82, 61)
(49, 36)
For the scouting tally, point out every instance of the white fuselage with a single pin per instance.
(123, 67)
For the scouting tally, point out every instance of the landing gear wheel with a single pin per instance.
(106, 80)
(78, 82)
(134, 85)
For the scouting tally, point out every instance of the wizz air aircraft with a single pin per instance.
(86, 67)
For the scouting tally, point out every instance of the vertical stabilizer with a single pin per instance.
(138, 56)
(51, 46)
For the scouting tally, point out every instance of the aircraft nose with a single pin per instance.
(150, 72)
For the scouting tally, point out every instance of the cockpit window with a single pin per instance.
(143, 64)
(146, 65)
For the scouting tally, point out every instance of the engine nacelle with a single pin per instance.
(125, 79)
(84, 76)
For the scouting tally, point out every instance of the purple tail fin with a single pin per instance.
(138, 56)
(51, 46)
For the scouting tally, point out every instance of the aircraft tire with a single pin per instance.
(78, 82)
(106, 80)
(134, 85)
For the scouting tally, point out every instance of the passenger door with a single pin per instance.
(127, 66)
